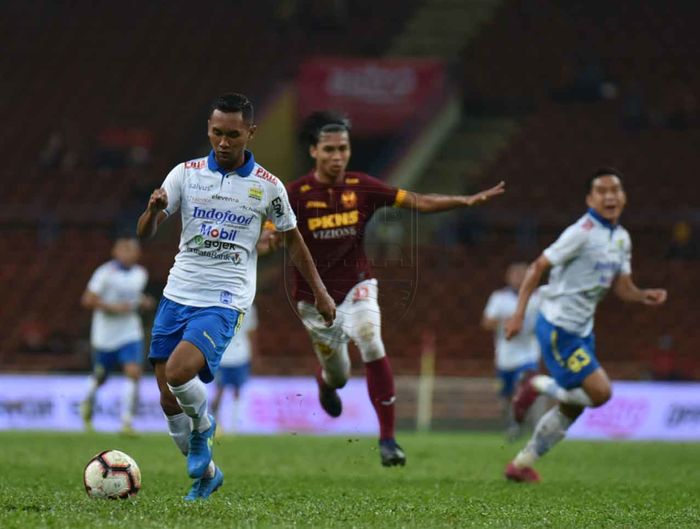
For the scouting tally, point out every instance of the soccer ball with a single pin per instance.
(112, 474)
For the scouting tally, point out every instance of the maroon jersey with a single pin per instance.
(332, 220)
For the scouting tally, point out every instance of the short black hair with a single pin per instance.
(322, 121)
(602, 171)
(233, 102)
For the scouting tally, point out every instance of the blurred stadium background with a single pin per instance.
(100, 99)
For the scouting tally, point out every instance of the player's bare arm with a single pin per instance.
(532, 279)
(489, 324)
(151, 218)
(626, 290)
(432, 203)
(301, 257)
(92, 301)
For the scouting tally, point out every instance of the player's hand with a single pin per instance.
(654, 296)
(513, 327)
(326, 306)
(158, 201)
(122, 307)
(483, 196)
(269, 242)
(148, 303)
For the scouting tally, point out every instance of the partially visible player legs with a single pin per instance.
(332, 374)
(87, 406)
(216, 402)
(132, 372)
(363, 325)
(181, 370)
(552, 427)
(180, 429)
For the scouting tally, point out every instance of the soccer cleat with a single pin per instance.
(328, 397)
(86, 414)
(391, 453)
(193, 494)
(207, 486)
(128, 430)
(200, 453)
(524, 398)
(521, 475)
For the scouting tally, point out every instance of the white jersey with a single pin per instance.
(586, 259)
(522, 349)
(240, 348)
(114, 283)
(222, 216)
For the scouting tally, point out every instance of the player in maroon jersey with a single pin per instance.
(333, 207)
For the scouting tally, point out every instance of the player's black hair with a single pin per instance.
(319, 122)
(602, 171)
(233, 102)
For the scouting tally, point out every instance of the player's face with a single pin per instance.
(229, 134)
(515, 275)
(332, 154)
(607, 197)
(127, 251)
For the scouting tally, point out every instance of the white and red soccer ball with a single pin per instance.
(111, 475)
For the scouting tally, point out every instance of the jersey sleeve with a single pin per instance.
(493, 309)
(626, 268)
(143, 279)
(173, 188)
(567, 246)
(380, 194)
(97, 282)
(279, 210)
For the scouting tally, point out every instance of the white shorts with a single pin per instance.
(358, 318)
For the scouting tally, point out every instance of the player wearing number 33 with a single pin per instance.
(590, 257)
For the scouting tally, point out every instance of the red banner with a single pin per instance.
(379, 95)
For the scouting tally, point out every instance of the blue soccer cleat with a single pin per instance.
(193, 494)
(199, 456)
(207, 486)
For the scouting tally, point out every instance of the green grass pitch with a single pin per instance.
(451, 480)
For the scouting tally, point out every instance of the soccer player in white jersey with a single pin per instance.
(590, 257)
(115, 295)
(235, 364)
(223, 200)
(519, 356)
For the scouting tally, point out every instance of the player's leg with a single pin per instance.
(194, 361)
(220, 384)
(131, 358)
(506, 380)
(330, 346)
(240, 377)
(363, 325)
(102, 361)
(575, 369)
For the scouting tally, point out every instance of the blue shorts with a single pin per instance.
(569, 358)
(234, 376)
(129, 353)
(510, 377)
(210, 329)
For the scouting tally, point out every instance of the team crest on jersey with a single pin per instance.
(316, 204)
(256, 192)
(348, 199)
(587, 225)
(304, 188)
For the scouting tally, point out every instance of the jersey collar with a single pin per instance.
(597, 216)
(243, 170)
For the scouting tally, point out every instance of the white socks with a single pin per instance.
(192, 397)
(92, 389)
(180, 426)
(131, 393)
(548, 386)
(550, 429)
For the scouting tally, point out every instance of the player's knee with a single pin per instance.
(601, 395)
(175, 375)
(369, 342)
